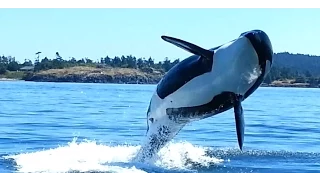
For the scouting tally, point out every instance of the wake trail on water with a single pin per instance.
(89, 156)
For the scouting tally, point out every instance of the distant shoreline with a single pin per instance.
(82, 74)
(9, 79)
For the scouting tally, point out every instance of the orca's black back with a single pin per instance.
(182, 73)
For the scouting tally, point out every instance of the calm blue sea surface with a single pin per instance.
(73, 127)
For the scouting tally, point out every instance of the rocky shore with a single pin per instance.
(8, 79)
(82, 74)
(290, 83)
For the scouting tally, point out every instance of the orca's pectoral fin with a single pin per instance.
(192, 48)
(239, 119)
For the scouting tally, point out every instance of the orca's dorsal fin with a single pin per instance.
(192, 48)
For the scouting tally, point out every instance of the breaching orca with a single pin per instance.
(207, 83)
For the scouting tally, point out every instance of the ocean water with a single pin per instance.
(73, 127)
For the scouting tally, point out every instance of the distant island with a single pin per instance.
(289, 70)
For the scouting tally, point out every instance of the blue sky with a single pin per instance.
(95, 33)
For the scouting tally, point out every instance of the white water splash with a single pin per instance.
(183, 155)
(88, 156)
